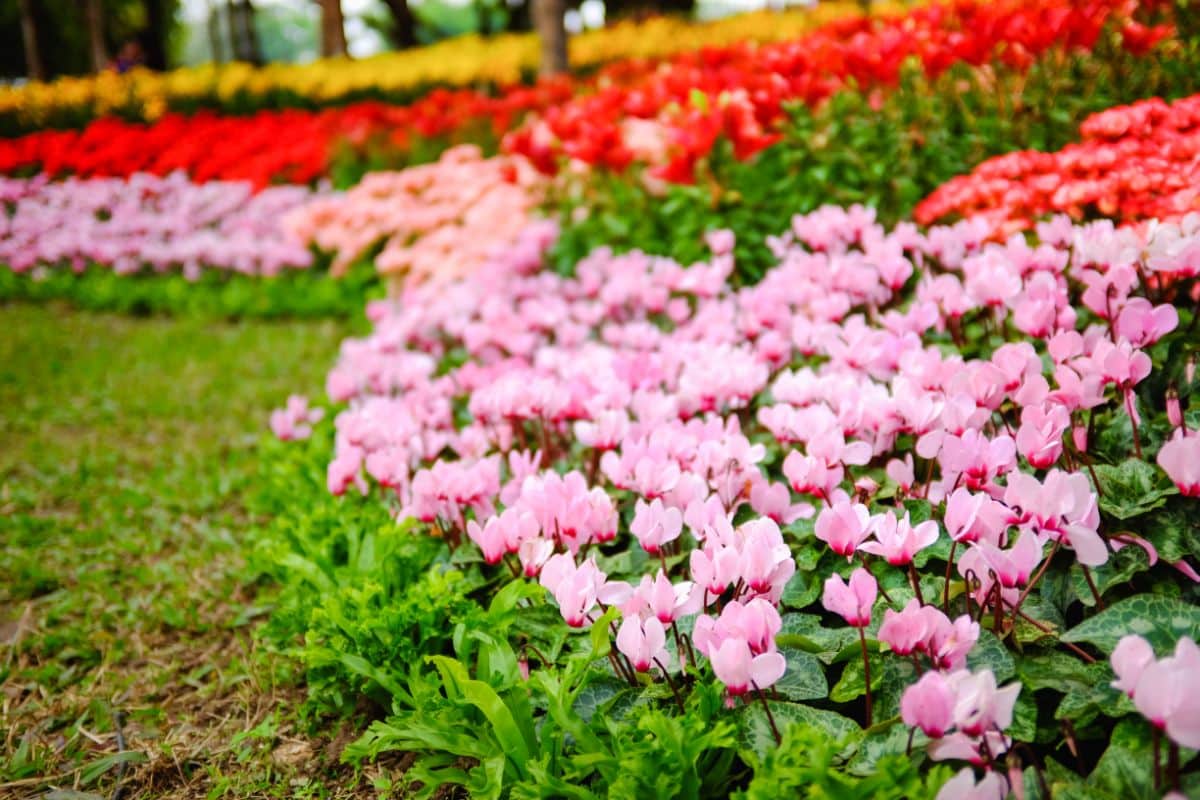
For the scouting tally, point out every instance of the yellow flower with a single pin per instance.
(468, 60)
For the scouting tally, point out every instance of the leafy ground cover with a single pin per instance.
(126, 601)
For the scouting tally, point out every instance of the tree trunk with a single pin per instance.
(404, 24)
(333, 29)
(94, 19)
(33, 56)
(243, 32)
(216, 41)
(548, 19)
(519, 20)
(158, 23)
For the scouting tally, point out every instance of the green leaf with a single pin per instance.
(1121, 566)
(1175, 532)
(989, 653)
(804, 678)
(802, 590)
(1162, 620)
(94, 770)
(805, 632)
(596, 695)
(757, 739)
(853, 682)
(1132, 488)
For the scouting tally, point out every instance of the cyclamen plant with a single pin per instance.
(918, 411)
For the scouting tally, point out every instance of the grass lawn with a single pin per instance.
(128, 664)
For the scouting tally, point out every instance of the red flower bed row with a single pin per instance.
(740, 91)
(1135, 162)
(667, 114)
(270, 146)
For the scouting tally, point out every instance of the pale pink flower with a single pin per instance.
(929, 705)
(992, 786)
(853, 600)
(1129, 660)
(655, 525)
(843, 526)
(643, 642)
(899, 540)
(1180, 459)
(740, 670)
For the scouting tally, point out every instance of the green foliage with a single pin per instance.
(365, 596)
(1160, 619)
(1132, 488)
(301, 293)
(810, 763)
(888, 154)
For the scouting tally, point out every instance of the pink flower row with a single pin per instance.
(149, 222)
(436, 222)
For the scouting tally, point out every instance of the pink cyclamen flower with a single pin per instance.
(655, 524)
(853, 600)
(898, 540)
(642, 642)
(1174, 410)
(756, 623)
(1143, 323)
(843, 526)
(1180, 459)
(992, 786)
(665, 600)
(929, 705)
(740, 670)
(1039, 438)
(720, 241)
(906, 631)
(1129, 660)
(1168, 694)
(980, 706)
(950, 642)
(974, 517)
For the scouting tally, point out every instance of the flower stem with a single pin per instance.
(1137, 439)
(916, 583)
(671, 683)
(770, 716)
(862, 640)
(946, 588)
(1087, 574)
(1154, 736)
(1041, 571)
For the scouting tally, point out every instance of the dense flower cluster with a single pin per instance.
(1135, 162)
(268, 147)
(149, 222)
(644, 406)
(463, 61)
(665, 114)
(669, 117)
(437, 221)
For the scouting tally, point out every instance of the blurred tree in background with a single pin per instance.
(74, 37)
(48, 38)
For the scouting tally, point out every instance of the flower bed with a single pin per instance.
(670, 117)
(464, 61)
(148, 223)
(267, 147)
(435, 222)
(1134, 162)
(894, 505)
(666, 114)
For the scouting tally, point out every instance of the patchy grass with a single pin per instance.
(128, 664)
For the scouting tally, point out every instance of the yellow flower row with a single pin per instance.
(463, 61)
